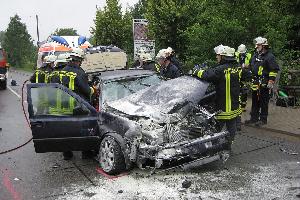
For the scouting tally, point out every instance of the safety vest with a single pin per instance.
(247, 58)
(63, 106)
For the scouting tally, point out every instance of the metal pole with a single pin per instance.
(37, 29)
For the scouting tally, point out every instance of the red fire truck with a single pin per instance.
(3, 69)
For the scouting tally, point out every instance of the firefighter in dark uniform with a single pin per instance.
(174, 59)
(264, 71)
(74, 77)
(42, 73)
(243, 58)
(147, 62)
(226, 76)
(166, 69)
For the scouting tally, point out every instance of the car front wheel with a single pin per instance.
(111, 157)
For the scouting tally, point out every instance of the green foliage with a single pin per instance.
(168, 19)
(194, 28)
(290, 60)
(18, 43)
(65, 32)
(108, 24)
(2, 36)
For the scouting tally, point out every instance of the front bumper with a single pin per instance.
(186, 151)
(2, 77)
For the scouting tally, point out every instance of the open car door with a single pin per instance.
(60, 119)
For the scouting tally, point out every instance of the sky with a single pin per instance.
(53, 14)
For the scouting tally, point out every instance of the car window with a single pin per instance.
(114, 90)
(54, 102)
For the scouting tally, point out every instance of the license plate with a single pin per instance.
(208, 144)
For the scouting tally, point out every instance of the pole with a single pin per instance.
(37, 29)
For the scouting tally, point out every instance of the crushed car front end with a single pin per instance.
(175, 128)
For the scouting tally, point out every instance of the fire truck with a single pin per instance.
(3, 69)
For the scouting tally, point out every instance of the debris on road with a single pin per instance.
(288, 151)
(13, 83)
(186, 184)
(55, 166)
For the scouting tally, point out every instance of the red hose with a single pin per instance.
(26, 117)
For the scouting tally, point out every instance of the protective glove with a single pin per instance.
(270, 84)
(195, 70)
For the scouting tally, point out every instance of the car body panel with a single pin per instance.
(51, 132)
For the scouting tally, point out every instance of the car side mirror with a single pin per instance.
(80, 110)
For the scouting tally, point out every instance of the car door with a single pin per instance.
(60, 119)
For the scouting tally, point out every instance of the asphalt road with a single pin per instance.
(263, 165)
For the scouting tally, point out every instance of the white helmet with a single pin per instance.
(163, 53)
(230, 51)
(224, 50)
(50, 59)
(242, 48)
(220, 50)
(260, 40)
(62, 58)
(76, 54)
(146, 57)
(170, 50)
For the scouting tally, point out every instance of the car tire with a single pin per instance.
(111, 158)
(3, 85)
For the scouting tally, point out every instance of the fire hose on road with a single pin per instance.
(27, 120)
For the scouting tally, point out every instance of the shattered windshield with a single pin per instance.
(161, 99)
(117, 89)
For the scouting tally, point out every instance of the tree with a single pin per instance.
(139, 9)
(65, 32)
(2, 36)
(18, 43)
(168, 19)
(109, 24)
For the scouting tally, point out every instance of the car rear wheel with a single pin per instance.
(111, 157)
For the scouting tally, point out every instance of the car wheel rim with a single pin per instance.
(107, 155)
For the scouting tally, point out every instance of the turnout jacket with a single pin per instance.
(74, 78)
(243, 58)
(226, 77)
(263, 68)
(169, 72)
(41, 75)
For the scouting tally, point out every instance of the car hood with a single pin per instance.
(163, 101)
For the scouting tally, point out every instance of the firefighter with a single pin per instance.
(74, 77)
(226, 77)
(61, 61)
(243, 58)
(147, 62)
(174, 60)
(165, 68)
(264, 71)
(42, 73)
(56, 108)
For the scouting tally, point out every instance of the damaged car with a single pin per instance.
(143, 121)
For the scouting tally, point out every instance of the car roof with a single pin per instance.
(126, 73)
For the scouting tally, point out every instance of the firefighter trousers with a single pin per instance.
(260, 104)
(230, 125)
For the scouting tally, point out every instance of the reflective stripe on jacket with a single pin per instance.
(226, 77)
